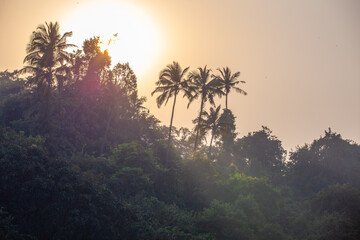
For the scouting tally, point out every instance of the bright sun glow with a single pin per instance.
(125, 31)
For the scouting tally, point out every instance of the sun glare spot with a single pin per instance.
(128, 33)
(107, 43)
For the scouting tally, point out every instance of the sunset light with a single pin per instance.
(180, 119)
(126, 31)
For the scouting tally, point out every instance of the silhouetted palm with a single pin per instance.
(205, 87)
(171, 82)
(46, 54)
(229, 81)
(211, 122)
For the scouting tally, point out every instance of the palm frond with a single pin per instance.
(161, 99)
(46, 50)
(239, 90)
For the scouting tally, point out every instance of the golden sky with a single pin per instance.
(300, 58)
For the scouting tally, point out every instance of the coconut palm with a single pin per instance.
(229, 81)
(46, 54)
(171, 82)
(205, 87)
(211, 122)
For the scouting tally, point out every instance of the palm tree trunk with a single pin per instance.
(106, 133)
(44, 114)
(50, 80)
(212, 137)
(198, 130)
(169, 140)
(60, 86)
(226, 101)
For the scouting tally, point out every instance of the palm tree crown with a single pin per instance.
(229, 81)
(46, 52)
(211, 122)
(171, 82)
(205, 87)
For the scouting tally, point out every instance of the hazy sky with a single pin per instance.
(300, 59)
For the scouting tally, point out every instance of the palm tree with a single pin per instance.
(211, 122)
(229, 81)
(171, 82)
(46, 54)
(205, 87)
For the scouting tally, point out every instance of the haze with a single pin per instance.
(300, 59)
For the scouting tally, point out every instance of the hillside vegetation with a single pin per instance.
(82, 158)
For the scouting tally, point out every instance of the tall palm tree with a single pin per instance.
(205, 87)
(46, 54)
(229, 81)
(211, 122)
(171, 82)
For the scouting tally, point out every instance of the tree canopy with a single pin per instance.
(82, 158)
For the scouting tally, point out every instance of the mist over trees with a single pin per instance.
(82, 158)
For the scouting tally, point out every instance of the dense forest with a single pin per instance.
(82, 158)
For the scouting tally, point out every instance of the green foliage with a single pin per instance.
(14, 101)
(333, 226)
(261, 154)
(328, 160)
(134, 155)
(81, 158)
(221, 219)
(339, 198)
(9, 231)
(171, 82)
(337, 212)
(125, 77)
(243, 220)
(135, 170)
(13, 111)
(10, 85)
(91, 113)
(228, 129)
(159, 220)
(267, 198)
(199, 179)
(46, 199)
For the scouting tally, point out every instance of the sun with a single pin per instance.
(127, 32)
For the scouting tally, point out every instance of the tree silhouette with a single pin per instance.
(228, 130)
(205, 87)
(229, 81)
(125, 77)
(120, 96)
(211, 122)
(114, 98)
(171, 82)
(46, 55)
(98, 63)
